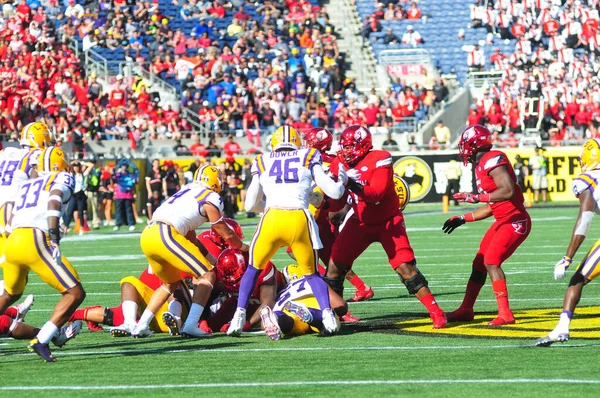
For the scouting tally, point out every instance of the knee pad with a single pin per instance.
(337, 284)
(415, 283)
(108, 317)
(576, 279)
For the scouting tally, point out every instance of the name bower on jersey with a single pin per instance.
(184, 210)
(15, 167)
(286, 176)
(31, 202)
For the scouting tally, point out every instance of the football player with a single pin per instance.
(285, 177)
(135, 295)
(376, 218)
(13, 326)
(16, 166)
(321, 139)
(497, 187)
(170, 245)
(297, 311)
(33, 244)
(585, 189)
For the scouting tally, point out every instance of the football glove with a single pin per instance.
(55, 251)
(466, 197)
(561, 267)
(247, 327)
(342, 174)
(452, 223)
(353, 174)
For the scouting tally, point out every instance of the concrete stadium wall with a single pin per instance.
(454, 115)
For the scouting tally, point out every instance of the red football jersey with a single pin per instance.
(485, 184)
(378, 201)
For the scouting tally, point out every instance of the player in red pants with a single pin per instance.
(321, 139)
(376, 218)
(496, 183)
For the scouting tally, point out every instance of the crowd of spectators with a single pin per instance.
(549, 83)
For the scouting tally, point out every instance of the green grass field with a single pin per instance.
(391, 352)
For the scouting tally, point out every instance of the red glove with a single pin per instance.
(247, 327)
(204, 326)
(471, 197)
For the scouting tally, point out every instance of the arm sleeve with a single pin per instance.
(378, 184)
(333, 189)
(254, 196)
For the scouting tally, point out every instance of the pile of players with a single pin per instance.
(321, 207)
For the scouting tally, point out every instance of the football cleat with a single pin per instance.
(300, 310)
(362, 295)
(43, 350)
(172, 323)
(123, 330)
(439, 320)
(139, 333)
(67, 333)
(193, 331)
(24, 307)
(552, 338)
(499, 321)
(94, 327)
(461, 314)
(349, 318)
(269, 323)
(237, 322)
(330, 322)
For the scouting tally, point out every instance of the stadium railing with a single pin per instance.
(481, 79)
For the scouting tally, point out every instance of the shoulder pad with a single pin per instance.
(493, 159)
(215, 199)
(65, 179)
(582, 183)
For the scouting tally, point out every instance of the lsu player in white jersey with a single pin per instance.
(33, 244)
(16, 166)
(585, 188)
(285, 177)
(169, 243)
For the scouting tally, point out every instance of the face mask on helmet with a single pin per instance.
(230, 268)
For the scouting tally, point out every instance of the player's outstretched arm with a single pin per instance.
(580, 230)
(254, 196)
(456, 221)
(333, 189)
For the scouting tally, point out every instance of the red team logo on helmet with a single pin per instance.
(318, 138)
(355, 142)
(230, 268)
(216, 238)
(473, 139)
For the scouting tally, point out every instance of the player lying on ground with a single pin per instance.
(33, 244)
(321, 139)
(498, 189)
(376, 218)
(285, 177)
(585, 189)
(170, 245)
(135, 294)
(297, 311)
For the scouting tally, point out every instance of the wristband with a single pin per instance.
(484, 197)
(54, 234)
(468, 217)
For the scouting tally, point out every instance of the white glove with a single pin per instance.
(55, 251)
(342, 175)
(315, 198)
(354, 174)
(561, 267)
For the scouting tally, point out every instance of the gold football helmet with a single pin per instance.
(285, 137)
(210, 177)
(35, 135)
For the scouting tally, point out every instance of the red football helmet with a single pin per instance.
(230, 268)
(318, 138)
(216, 238)
(355, 142)
(473, 139)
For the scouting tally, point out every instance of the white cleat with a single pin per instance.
(330, 322)
(131, 228)
(193, 331)
(270, 323)
(173, 323)
(67, 333)
(237, 322)
(139, 333)
(123, 330)
(24, 308)
(552, 338)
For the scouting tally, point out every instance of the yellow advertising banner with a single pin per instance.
(563, 167)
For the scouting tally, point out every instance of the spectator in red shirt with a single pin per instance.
(198, 148)
(474, 117)
(495, 119)
(23, 11)
(217, 10)
(117, 98)
(251, 126)
(231, 147)
(303, 125)
(370, 113)
(413, 12)
(50, 104)
(241, 15)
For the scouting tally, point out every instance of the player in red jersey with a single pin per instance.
(321, 139)
(497, 187)
(377, 218)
